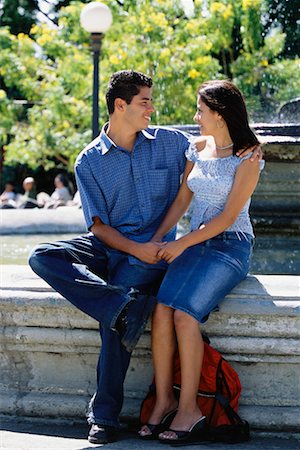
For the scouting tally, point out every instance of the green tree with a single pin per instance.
(53, 71)
(57, 123)
(260, 70)
(18, 15)
(285, 15)
(50, 69)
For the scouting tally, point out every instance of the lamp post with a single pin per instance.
(96, 18)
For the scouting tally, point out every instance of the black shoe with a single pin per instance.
(160, 427)
(196, 434)
(101, 434)
(133, 319)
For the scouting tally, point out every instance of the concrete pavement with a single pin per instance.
(35, 434)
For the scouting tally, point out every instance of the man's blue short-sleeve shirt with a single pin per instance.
(131, 191)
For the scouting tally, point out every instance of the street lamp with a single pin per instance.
(96, 18)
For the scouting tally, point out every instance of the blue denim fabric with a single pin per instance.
(97, 280)
(205, 273)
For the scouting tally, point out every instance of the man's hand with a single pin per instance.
(147, 252)
(257, 153)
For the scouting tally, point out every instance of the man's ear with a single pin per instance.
(119, 104)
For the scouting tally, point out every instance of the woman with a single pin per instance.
(207, 262)
(60, 196)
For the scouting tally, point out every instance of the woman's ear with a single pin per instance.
(220, 121)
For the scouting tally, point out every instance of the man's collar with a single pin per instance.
(150, 133)
(104, 143)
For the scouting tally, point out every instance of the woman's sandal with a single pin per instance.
(156, 429)
(196, 433)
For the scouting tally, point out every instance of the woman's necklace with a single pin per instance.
(225, 147)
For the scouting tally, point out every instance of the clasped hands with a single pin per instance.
(170, 250)
(155, 250)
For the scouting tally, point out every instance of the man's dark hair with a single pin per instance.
(225, 98)
(125, 84)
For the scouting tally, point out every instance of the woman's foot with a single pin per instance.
(159, 420)
(183, 422)
(196, 433)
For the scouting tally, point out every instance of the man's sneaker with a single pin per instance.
(133, 319)
(101, 434)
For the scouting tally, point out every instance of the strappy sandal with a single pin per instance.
(156, 429)
(197, 433)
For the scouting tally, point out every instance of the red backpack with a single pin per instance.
(218, 395)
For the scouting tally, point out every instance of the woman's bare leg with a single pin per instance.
(191, 350)
(164, 344)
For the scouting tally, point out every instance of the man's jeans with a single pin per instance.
(98, 280)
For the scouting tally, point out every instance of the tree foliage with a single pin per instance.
(285, 15)
(18, 15)
(46, 74)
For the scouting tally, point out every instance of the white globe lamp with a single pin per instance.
(96, 18)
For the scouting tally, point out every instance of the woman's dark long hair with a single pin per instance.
(225, 98)
(64, 179)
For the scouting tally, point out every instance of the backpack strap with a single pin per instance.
(238, 431)
(230, 412)
(224, 402)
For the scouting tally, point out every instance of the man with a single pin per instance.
(28, 199)
(127, 179)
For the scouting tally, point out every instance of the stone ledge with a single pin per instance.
(66, 219)
(57, 406)
(49, 350)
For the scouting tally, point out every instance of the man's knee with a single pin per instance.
(35, 259)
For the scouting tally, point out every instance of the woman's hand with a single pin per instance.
(156, 239)
(257, 152)
(171, 250)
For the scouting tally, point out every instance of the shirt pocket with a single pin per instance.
(158, 182)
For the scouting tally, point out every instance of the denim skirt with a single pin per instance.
(198, 279)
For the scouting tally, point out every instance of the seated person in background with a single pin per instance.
(8, 196)
(28, 199)
(61, 195)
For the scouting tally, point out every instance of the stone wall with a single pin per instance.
(49, 350)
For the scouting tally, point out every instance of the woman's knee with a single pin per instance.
(162, 314)
(184, 321)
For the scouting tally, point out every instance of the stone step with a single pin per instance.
(41, 434)
(49, 350)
